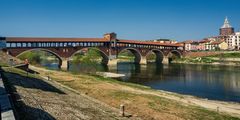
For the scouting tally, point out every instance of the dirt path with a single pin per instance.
(41, 99)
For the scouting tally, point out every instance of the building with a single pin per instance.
(187, 44)
(168, 41)
(225, 32)
(194, 46)
(204, 45)
(227, 40)
(234, 41)
(226, 29)
(219, 45)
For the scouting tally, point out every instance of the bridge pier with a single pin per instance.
(165, 60)
(64, 65)
(112, 62)
(143, 61)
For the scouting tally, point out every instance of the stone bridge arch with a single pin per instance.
(45, 50)
(104, 55)
(159, 55)
(137, 54)
(174, 54)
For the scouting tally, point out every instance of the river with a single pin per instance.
(205, 81)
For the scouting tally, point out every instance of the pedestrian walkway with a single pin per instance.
(5, 105)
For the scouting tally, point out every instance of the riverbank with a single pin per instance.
(231, 58)
(209, 61)
(142, 101)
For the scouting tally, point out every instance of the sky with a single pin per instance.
(130, 19)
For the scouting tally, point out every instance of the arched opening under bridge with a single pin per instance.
(155, 56)
(42, 57)
(173, 55)
(129, 55)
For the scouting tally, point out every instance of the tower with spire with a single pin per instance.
(226, 29)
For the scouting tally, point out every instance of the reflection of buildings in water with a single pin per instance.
(235, 85)
(232, 84)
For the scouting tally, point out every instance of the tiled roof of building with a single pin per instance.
(217, 42)
(204, 41)
(188, 41)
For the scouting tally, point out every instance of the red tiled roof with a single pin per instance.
(204, 41)
(188, 41)
(25, 39)
(217, 42)
(148, 43)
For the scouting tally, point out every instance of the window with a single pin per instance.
(24, 44)
(61, 44)
(29, 45)
(13, 45)
(73, 44)
(65, 44)
(18, 44)
(8, 45)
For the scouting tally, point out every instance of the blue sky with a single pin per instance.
(130, 19)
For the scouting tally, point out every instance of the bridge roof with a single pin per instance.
(26, 39)
(36, 39)
(148, 43)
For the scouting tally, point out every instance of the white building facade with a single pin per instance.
(234, 41)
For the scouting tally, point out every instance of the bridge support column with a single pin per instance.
(112, 62)
(165, 60)
(143, 61)
(64, 64)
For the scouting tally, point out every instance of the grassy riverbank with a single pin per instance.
(222, 59)
(139, 100)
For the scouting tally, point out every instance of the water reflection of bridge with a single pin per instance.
(109, 47)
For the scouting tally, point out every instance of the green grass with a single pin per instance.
(187, 112)
(196, 60)
(110, 80)
(122, 95)
(3, 64)
(227, 55)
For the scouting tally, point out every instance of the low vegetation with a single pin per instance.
(114, 93)
(196, 60)
(219, 58)
(228, 55)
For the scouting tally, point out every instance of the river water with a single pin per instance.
(205, 81)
